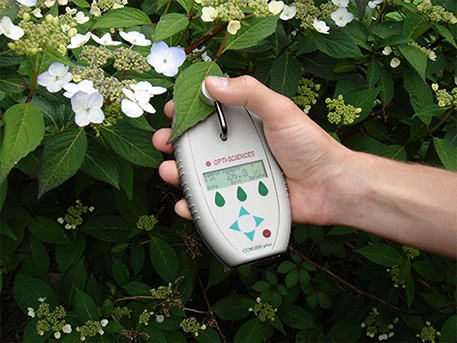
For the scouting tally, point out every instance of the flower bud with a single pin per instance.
(72, 32)
(55, 21)
(26, 16)
(49, 18)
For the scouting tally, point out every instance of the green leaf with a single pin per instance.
(429, 270)
(364, 100)
(217, 273)
(324, 300)
(449, 330)
(37, 262)
(169, 25)
(155, 334)
(67, 254)
(382, 254)
(346, 330)
(186, 4)
(415, 57)
(414, 24)
(250, 331)
(420, 93)
(428, 112)
(100, 164)
(208, 336)
(108, 228)
(132, 144)
(447, 152)
(261, 286)
(393, 39)
(12, 82)
(436, 300)
(137, 255)
(285, 74)
(85, 307)
(23, 132)
(387, 86)
(120, 272)
(338, 45)
(48, 230)
(373, 72)
(164, 259)
(122, 17)
(296, 317)
(252, 31)
(341, 230)
(74, 278)
(130, 209)
(189, 109)
(136, 288)
(27, 290)
(9, 58)
(233, 307)
(443, 31)
(63, 155)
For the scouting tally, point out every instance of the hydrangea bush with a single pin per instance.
(91, 249)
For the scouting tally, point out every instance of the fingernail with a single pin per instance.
(219, 82)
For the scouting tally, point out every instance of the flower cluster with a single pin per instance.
(342, 113)
(373, 324)
(264, 311)
(119, 312)
(91, 328)
(147, 223)
(445, 98)
(394, 274)
(312, 16)
(191, 325)
(51, 320)
(97, 7)
(307, 94)
(73, 217)
(428, 333)
(144, 317)
(162, 292)
(169, 299)
(436, 13)
(411, 252)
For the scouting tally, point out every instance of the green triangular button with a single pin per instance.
(250, 235)
(241, 194)
(263, 190)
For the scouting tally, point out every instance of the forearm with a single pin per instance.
(412, 204)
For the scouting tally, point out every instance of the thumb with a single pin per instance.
(275, 109)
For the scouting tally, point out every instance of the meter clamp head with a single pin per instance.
(235, 189)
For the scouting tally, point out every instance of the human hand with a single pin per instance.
(309, 157)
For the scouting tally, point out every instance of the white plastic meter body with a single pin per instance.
(235, 189)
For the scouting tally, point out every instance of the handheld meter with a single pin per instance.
(235, 189)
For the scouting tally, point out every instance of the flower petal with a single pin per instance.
(131, 109)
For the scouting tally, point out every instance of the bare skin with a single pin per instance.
(332, 185)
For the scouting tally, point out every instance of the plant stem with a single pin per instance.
(448, 114)
(35, 77)
(422, 30)
(202, 40)
(221, 48)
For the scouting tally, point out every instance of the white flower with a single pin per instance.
(233, 26)
(101, 332)
(30, 312)
(55, 77)
(136, 103)
(66, 328)
(42, 300)
(83, 338)
(70, 11)
(432, 55)
(209, 13)
(145, 85)
(387, 50)
(166, 60)
(395, 62)
(104, 322)
(95, 11)
(135, 38)
(37, 12)
(341, 3)
(160, 318)
(63, 2)
(87, 108)
(86, 86)
(275, 7)
(321, 26)
(342, 16)
(49, 3)
(27, 2)
(79, 40)
(105, 39)
(9, 29)
(57, 334)
(374, 3)
(81, 18)
(288, 12)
